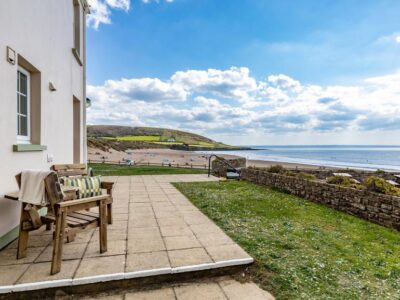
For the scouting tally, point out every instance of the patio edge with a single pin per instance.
(9, 290)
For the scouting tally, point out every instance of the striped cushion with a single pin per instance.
(88, 186)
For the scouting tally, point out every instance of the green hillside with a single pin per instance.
(125, 137)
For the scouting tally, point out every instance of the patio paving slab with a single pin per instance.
(70, 251)
(10, 274)
(41, 270)
(200, 291)
(145, 245)
(224, 288)
(117, 247)
(8, 256)
(164, 294)
(169, 231)
(181, 242)
(226, 252)
(156, 230)
(188, 257)
(93, 266)
(235, 290)
(147, 261)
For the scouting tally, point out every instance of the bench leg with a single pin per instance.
(22, 243)
(23, 235)
(103, 227)
(58, 241)
(71, 236)
(109, 214)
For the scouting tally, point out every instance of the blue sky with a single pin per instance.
(248, 71)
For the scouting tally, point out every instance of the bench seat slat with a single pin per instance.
(83, 216)
(71, 221)
(88, 213)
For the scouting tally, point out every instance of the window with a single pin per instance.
(77, 27)
(23, 105)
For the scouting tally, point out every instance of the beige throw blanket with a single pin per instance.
(32, 187)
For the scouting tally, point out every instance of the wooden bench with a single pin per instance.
(68, 216)
(66, 170)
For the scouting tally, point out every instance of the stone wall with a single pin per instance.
(360, 175)
(219, 167)
(377, 208)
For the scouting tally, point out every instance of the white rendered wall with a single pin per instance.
(42, 32)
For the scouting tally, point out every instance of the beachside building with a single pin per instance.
(42, 92)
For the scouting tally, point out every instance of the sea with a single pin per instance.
(369, 157)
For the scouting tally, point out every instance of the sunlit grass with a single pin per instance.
(303, 250)
(154, 139)
(115, 170)
(135, 138)
(168, 143)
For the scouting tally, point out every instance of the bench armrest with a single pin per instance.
(90, 202)
(107, 185)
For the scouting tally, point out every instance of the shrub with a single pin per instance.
(306, 176)
(380, 185)
(341, 180)
(379, 172)
(278, 169)
(344, 181)
(290, 173)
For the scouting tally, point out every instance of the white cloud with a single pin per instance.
(285, 82)
(120, 4)
(146, 89)
(99, 14)
(235, 83)
(100, 11)
(233, 102)
(389, 39)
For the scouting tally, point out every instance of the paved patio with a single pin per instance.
(217, 288)
(156, 231)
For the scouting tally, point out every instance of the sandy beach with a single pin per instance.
(153, 156)
(166, 156)
(286, 165)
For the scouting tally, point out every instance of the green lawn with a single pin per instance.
(168, 143)
(135, 138)
(115, 170)
(303, 250)
(156, 139)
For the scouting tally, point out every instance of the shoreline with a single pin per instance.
(260, 161)
(289, 165)
(304, 166)
(188, 158)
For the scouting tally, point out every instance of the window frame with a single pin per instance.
(77, 26)
(22, 139)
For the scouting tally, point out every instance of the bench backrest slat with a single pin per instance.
(70, 170)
